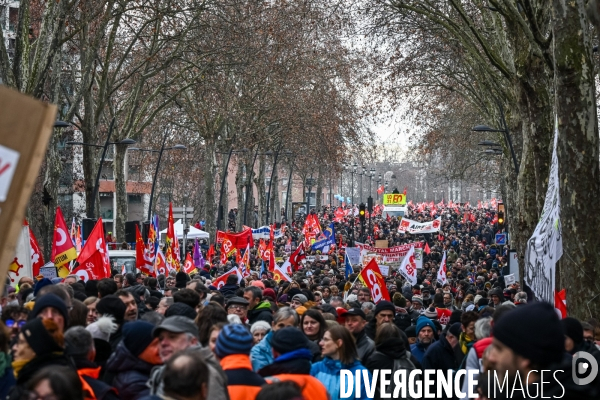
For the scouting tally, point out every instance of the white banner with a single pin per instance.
(263, 233)
(394, 255)
(544, 249)
(408, 268)
(415, 228)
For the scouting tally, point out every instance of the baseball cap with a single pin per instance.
(177, 324)
(237, 300)
(354, 311)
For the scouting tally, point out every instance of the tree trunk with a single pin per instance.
(319, 192)
(239, 185)
(259, 181)
(274, 206)
(209, 187)
(120, 191)
(579, 174)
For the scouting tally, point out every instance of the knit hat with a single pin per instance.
(573, 329)
(181, 309)
(384, 305)
(515, 327)
(112, 305)
(39, 339)
(399, 300)
(422, 322)
(260, 326)
(181, 279)
(258, 284)
(411, 331)
(288, 339)
(268, 292)
(417, 299)
(102, 328)
(431, 313)
(137, 336)
(50, 300)
(40, 284)
(483, 302)
(300, 297)
(455, 329)
(233, 339)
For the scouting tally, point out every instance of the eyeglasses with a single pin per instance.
(11, 323)
(237, 307)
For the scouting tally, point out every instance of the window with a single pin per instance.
(134, 173)
(66, 177)
(13, 19)
(134, 198)
(107, 173)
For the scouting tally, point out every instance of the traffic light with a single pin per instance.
(361, 212)
(500, 220)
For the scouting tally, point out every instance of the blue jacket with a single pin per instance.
(261, 355)
(328, 373)
(418, 350)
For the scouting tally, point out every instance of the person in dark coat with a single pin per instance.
(258, 309)
(441, 356)
(355, 321)
(128, 369)
(40, 344)
(113, 306)
(231, 286)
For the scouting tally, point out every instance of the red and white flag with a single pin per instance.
(143, 261)
(222, 280)
(560, 303)
(160, 263)
(408, 267)
(63, 250)
(93, 259)
(441, 276)
(280, 275)
(188, 265)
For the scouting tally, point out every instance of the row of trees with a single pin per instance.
(268, 77)
(534, 58)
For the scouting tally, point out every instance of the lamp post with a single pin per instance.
(309, 183)
(360, 191)
(289, 185)
(91, 210)
(378, 185)
(352, 172)
(371, 175)
(160, 153)
(505, 131)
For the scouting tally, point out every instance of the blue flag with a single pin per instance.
(327, 239)
(262, 268)
(349, 269)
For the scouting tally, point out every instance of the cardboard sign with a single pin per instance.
(49, 271)
(381, 244)
(25, 128)
(385, 270)
(509, 279)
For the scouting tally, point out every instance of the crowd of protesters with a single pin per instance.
(179, 337)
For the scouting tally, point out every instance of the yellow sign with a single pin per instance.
(394, 199)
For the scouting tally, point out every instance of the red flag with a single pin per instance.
(381, 189)
(271, 255)
(297, 256)
(222, 280)
(37, 258)
(210, 254)
(238, 258)
(93, 259)
(271, 233)
(372, 278)
(238, 240)
(427, 250)
(188, 265)
(78, 241)
(560, 303)
(262, 247)
(172, 252)
(63, 250)
(142, 261)
(280, 275)
(388, 218)
(405, 187)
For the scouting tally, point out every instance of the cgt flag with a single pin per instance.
(143, 262)
(63, 250)
(408, 267)
(280, 275)
(222, 280)
(188, 265)
(172, 251)
(160, 263)
(373, 279)
(93, 260)
(441, 276)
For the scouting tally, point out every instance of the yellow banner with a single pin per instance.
(392, 199)
(65, 257)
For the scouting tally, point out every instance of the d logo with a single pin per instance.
(581, 368)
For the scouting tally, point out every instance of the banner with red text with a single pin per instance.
(415, 228)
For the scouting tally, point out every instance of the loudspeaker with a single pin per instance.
(145, 230)
(130, 231)
(87, 224)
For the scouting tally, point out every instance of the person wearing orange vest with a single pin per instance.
(233, 349)
(292, 362)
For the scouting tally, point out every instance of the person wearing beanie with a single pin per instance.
(496, 297)
(181, 280)
(40, 284)
(181, 309)
(298, 301)
(440, 355)
(425, 331)
(517, 350)
(431, 313)
(574, 340)
(40, 345)
(258, 284)
(385, 311)
(233, 349)
(258, 309)
(52, 307)
(130, 365)
(292, 362)
(112, 306)
(411, 334)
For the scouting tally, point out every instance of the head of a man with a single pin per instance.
(355, 320)
(71, 279)
(52, 307)
(186, 376)
(425, 330)
(284, 317)
(364, 295)
(384, 312)
(253, 295)
(336, 301)
(238, 306)
(175, 334)
(131, 311)
(298, 301)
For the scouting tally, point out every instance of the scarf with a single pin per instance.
(465, 342)
(18, 366)
(5, 361)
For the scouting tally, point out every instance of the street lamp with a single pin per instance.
(97, 184)
(371, 175)
(309, 184)
(160, 152)
(505, 131)
(378, 185)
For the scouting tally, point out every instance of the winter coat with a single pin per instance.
(242, 382)
(89, 372)
(364, 345)
(7, 377)
(217, 381)
(261, 354)
(418, 350)
(228, 291)
(328, 372)
(440, 356)
(32, 367)
(262, 312)
(130, 373)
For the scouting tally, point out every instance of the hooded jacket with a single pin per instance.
(217, 381)
(242, 382)
(261, 354)
(228, 291)
(130, 373)
(328, 373)
(262, 312)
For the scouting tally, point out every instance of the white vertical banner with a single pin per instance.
(544, 249)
